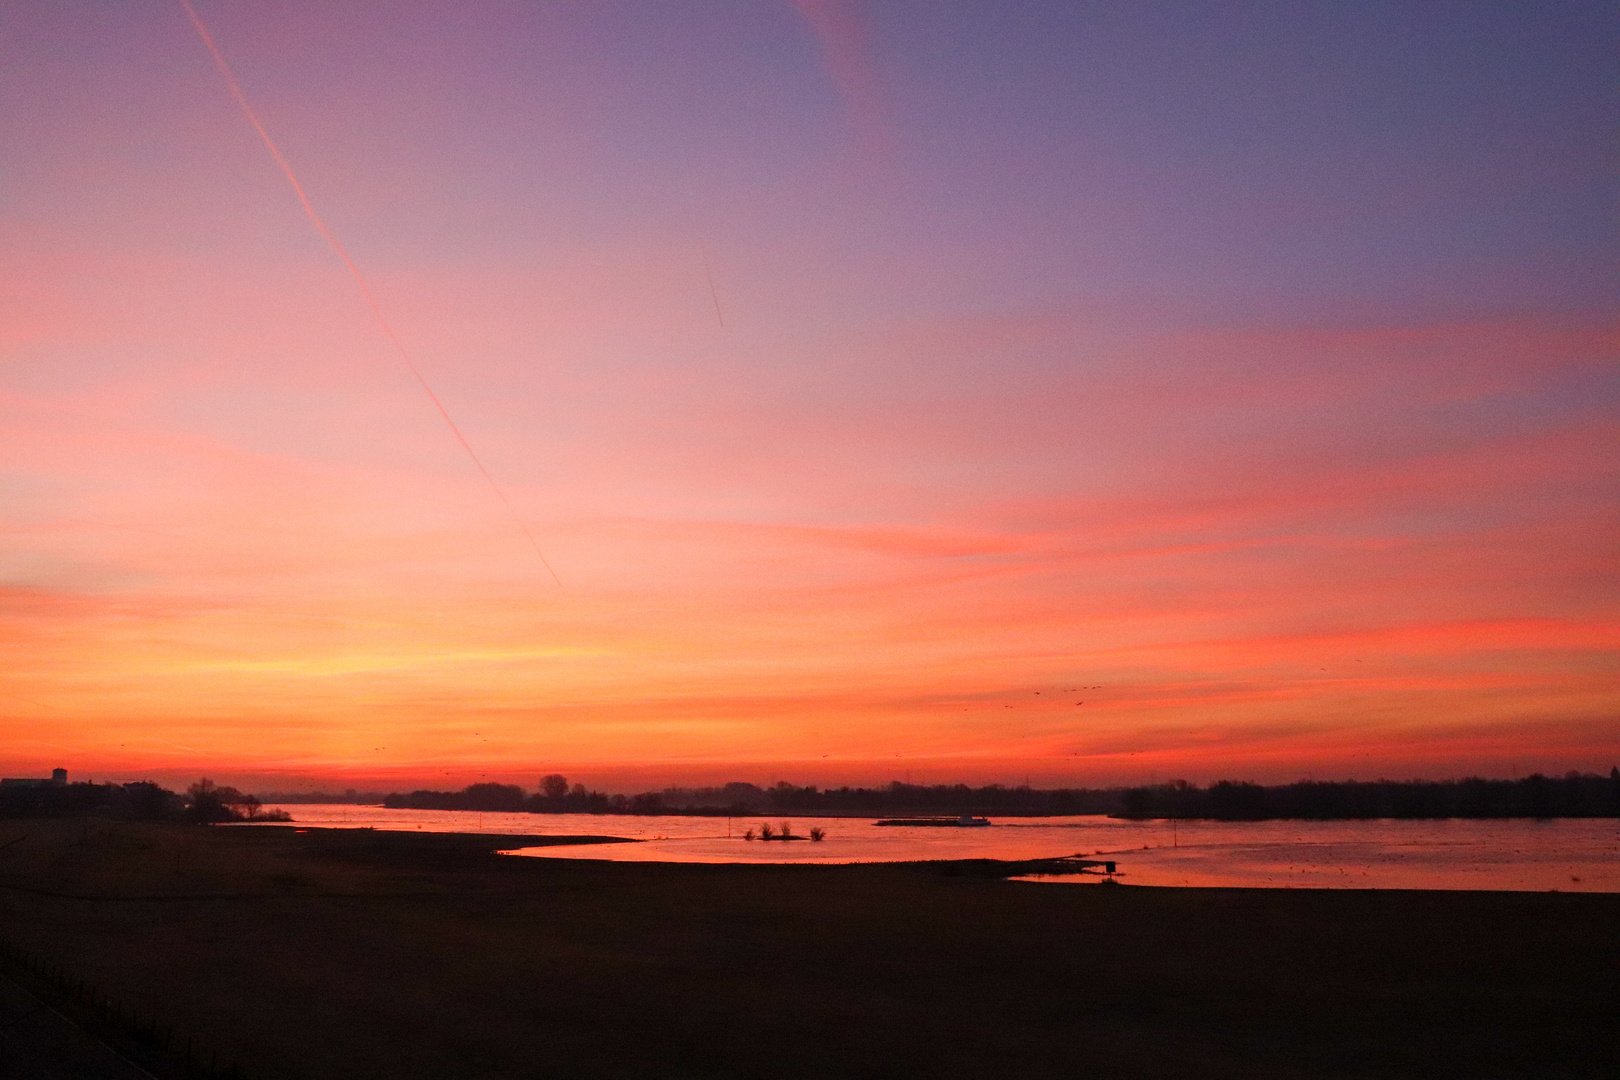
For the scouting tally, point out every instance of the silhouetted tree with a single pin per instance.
(208, 802)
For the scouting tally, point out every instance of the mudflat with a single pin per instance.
(357, 954)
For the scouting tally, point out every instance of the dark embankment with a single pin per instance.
(360, 954)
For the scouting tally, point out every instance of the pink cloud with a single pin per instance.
(843, 33)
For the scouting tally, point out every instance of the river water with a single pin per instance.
(1573, 855)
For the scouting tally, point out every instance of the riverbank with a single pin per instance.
(374, 954)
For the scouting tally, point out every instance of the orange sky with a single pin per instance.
(987, 474)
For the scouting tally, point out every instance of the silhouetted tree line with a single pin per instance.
(554, 797)
(1574, 795)
(896, 798)
(738, 799)
(1538, 796)
(138, 801)
(142, 800)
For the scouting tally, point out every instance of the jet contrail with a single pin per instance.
(703, 247)
(359, 278)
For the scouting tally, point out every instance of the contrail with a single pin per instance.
(359, 278)
(703, 247)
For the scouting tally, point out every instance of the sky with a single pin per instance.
(1065, 393)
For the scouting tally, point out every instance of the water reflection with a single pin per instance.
(1576, 855)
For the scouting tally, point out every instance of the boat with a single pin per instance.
(966, 821)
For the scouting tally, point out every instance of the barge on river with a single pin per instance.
(966, 821)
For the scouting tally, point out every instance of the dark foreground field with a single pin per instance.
(355, 955)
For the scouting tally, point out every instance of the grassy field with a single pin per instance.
(359, 954)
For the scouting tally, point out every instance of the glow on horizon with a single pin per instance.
(1003, 404)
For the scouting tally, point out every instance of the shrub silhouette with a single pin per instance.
(211, 804)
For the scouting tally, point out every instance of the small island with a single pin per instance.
(785, 832)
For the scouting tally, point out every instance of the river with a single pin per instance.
(1574, 855)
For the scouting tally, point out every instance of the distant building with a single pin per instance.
(58, 779)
